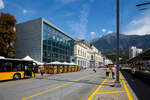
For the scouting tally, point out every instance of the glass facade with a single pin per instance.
(56, 45)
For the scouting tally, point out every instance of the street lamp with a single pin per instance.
(117, 83)
(143, 4)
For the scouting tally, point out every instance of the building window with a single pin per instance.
(56, 46)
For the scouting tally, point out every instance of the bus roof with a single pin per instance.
(12, 59)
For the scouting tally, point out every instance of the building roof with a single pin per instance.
(47, 22)
(143, 56)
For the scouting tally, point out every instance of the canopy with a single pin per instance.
(55, 63)
(29, 58)
(1, 57)
(65, 63)
(141, 57)
(73, 63)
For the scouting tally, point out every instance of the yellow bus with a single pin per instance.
(15, 68)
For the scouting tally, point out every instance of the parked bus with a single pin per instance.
(15, 68)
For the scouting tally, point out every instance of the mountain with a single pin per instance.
(108, 42)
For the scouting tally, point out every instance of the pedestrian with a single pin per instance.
(41, 71)
(113, 70)
(107, 71)
(34, 71)
(94, 70)
(133, 73)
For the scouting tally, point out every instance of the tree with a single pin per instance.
(8, 35)
(111, 54)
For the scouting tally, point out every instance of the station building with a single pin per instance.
(43, 42)
(86, 54)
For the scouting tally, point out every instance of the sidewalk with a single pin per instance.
(107, 90)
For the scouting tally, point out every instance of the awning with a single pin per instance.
(55, 63)
(73, 63)
(141, 57)
(65, 63)
(1, 57)
(29, 58)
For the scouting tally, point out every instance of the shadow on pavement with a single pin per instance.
(81, 81)
(15, 80)
(141, 89)
(86, 81)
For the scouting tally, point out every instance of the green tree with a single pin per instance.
(111, 54)
(8, 35)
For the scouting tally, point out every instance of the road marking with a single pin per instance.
(109, 81)
(57, 87)
(90, 98)
(125, 87)
(110, 92)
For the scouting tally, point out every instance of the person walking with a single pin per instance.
(94, 69)
(107, 71)
(34, 71)
(41, 71)
(133, 73)
(113, 70)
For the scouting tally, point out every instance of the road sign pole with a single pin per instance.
(118, 47)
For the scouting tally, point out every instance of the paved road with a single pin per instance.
(67, 86)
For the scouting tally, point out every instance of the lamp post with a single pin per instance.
(143, 4)
(117, 83)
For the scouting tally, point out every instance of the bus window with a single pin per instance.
(6, 67)
(2, 67)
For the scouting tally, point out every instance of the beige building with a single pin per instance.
(96, 57)
(86, 55)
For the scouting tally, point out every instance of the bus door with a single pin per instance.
(28, 69)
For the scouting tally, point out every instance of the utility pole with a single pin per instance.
(117, 83)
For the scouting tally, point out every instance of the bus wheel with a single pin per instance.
(17, 76)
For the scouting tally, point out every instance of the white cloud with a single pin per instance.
(80, 27)
(92, 33)
(140, 25)
(103, 30)
(110, 31)
(25, 11)
(1, 4)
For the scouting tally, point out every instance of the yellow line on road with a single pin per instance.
(57, 87)
(109, 81)
(125, 87)
(110, 92)
(90, 98)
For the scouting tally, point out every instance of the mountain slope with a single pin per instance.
(108, 42)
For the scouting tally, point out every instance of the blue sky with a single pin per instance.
(85, 19)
